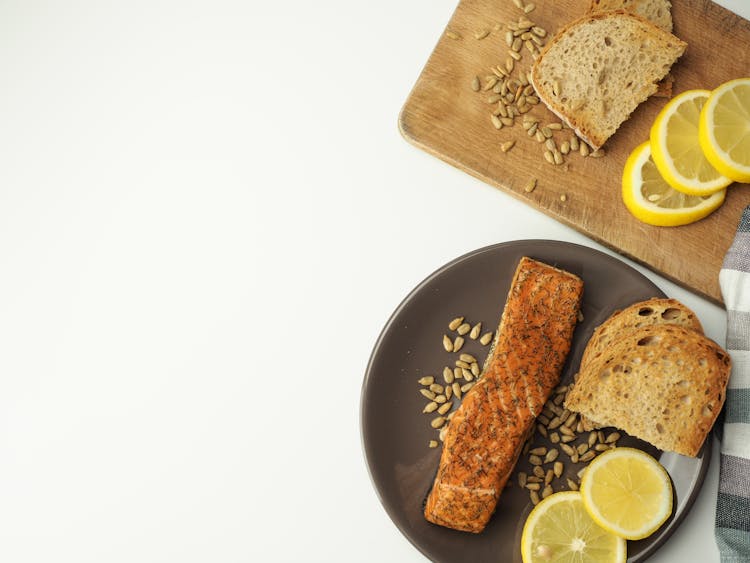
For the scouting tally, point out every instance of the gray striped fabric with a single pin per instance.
(733, 501)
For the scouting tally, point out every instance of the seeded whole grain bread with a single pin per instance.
(657, 11)
(663, 383)
(596, 71)
(649, 312)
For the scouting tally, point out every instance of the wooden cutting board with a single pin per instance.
(444, 116)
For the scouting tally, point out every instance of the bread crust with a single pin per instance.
(656, 310)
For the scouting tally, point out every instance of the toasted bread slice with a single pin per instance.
(657, 11)
(649, 312)
(599, 68)
(664, 384)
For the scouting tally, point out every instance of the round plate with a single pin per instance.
(395, 432)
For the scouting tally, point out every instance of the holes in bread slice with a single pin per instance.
(670, 314)
(645, 311)
(651, 340)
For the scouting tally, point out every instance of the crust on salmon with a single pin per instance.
(486, 434)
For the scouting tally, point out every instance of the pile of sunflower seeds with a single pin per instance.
(570, 442)
(445, 392)
(508, 90)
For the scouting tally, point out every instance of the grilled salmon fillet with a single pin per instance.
(486, 434)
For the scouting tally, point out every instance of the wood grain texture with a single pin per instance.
(446, 118)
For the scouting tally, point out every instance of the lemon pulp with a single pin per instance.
(652, 200)
(676, 147)
(627, 492)
(559, 529)
(724, 129)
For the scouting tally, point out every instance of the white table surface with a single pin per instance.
(207, 214)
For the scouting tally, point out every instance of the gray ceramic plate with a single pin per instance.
(395, 433)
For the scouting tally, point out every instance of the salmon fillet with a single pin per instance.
(486, 434)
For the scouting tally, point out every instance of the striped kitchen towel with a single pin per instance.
(733, 502)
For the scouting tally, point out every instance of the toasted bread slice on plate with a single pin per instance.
(663, 383)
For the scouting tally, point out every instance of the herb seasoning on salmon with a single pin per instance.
(486, 434)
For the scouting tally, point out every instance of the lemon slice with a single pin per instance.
(653, 201)
(677, 151)
(559, 529)
(627, 492)
(724, 129)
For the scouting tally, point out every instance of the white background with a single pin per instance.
(206, 216)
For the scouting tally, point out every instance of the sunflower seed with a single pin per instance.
(475, 370)
(538, 31)
(447, 375)
(529, 186)
(426, 380)
(466, 386)
(481, 34)
(613, 437)
(541, 450)
(448, 392)
(455, 323)
(444, 408)
(486, 338)
(557, 468)
(535, 460)
(437, 422)
(534, 496)
(528, 8)
(447, 344)
(490, 83)
(551, 456)
(440, 399)
(533, 486)
(456, 389)
(443, 432)
(572, 485)
(457, 373)
(603, 447)
(505, 147)
(468, 358)
(475, 84)
(458, 343)
(475, 330)
(549, 476)
(547, 491)
(462, 364)
(542, 429)
(430, 407)
(567, 449)
(433, 444)
(428, 394)
(583, 149)
(565, 147)
(558, 158)
(509, 38)
(588, 456)
(468, 376)
(554, 437)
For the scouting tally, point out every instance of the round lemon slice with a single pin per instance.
(649, 198)
(627, 492)
(724, 129)
(559, 529)
(677, 151)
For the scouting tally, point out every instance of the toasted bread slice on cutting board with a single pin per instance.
(657, 11)
(664, 384)
(599, 68)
